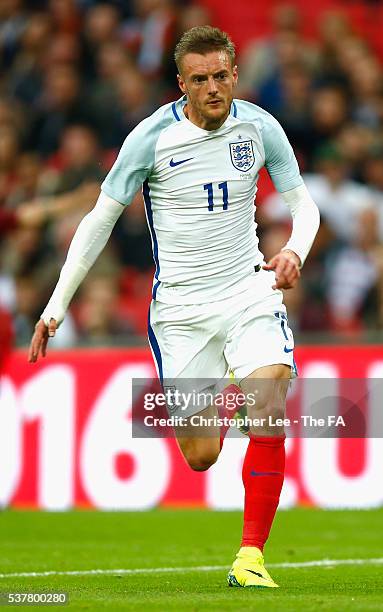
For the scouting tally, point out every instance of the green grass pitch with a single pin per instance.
(86, 540)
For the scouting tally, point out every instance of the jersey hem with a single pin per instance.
(196, 298)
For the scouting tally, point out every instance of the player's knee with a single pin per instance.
(201, 461)
(201, 464)
(200, 453)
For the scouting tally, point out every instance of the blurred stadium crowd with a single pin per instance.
(77, 76)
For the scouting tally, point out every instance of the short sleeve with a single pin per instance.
(280, 160)
(135, 160)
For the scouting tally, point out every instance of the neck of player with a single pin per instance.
(203, 122)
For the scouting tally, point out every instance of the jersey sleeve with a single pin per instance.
(136, 158)
(280, 160)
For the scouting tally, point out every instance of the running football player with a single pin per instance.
(217, 305)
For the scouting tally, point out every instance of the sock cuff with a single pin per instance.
(268, 440)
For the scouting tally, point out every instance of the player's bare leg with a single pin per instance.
(269, 386)
(200, 444)
(263, 472)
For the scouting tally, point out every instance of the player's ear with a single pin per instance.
(181, 83)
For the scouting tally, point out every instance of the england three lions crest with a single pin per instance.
(242, 155)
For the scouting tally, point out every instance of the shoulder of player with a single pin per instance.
(268, 126)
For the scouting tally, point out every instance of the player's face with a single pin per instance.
(208, 81)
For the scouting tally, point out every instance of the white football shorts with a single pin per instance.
(193, 344)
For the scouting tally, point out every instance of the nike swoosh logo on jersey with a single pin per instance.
(287, 350)
(173, 163)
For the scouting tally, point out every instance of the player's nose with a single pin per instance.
(212, 85)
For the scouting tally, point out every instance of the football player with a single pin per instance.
(217, 305)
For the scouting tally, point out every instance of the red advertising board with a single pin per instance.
(66, 440)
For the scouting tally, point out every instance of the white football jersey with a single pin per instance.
(199, 188)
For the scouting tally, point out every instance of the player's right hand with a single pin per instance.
(40, 339)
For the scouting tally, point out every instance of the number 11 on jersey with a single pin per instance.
(210, 195)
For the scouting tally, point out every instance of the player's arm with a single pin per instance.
(288, 262)
(90, 238)
(283, 168)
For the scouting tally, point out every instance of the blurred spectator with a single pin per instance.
(340, 200)
(290, 52)
(151, 35)
(347, 233)
(101, 27)
(132, 238)
(136, 100)
(11, 113)
(373, 175)
(22, 292)
(352, 275)
(12, 24)
(79, 158)
(294, 110)
(354, 141)
(97, 312)
(26, 76)
(113, 65)
(64, 48)
(9, 149)
(23, 256)
(367, 85)
(26, 251)
(337, 48)
(38, 212)
(65, 16)
(78, 168)
(263, 61)
(27, 180)
(62, 102)
(329, 113)
(191, 16)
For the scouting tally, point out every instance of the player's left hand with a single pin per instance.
(286, 266)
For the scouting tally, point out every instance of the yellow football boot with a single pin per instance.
(248, 570)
